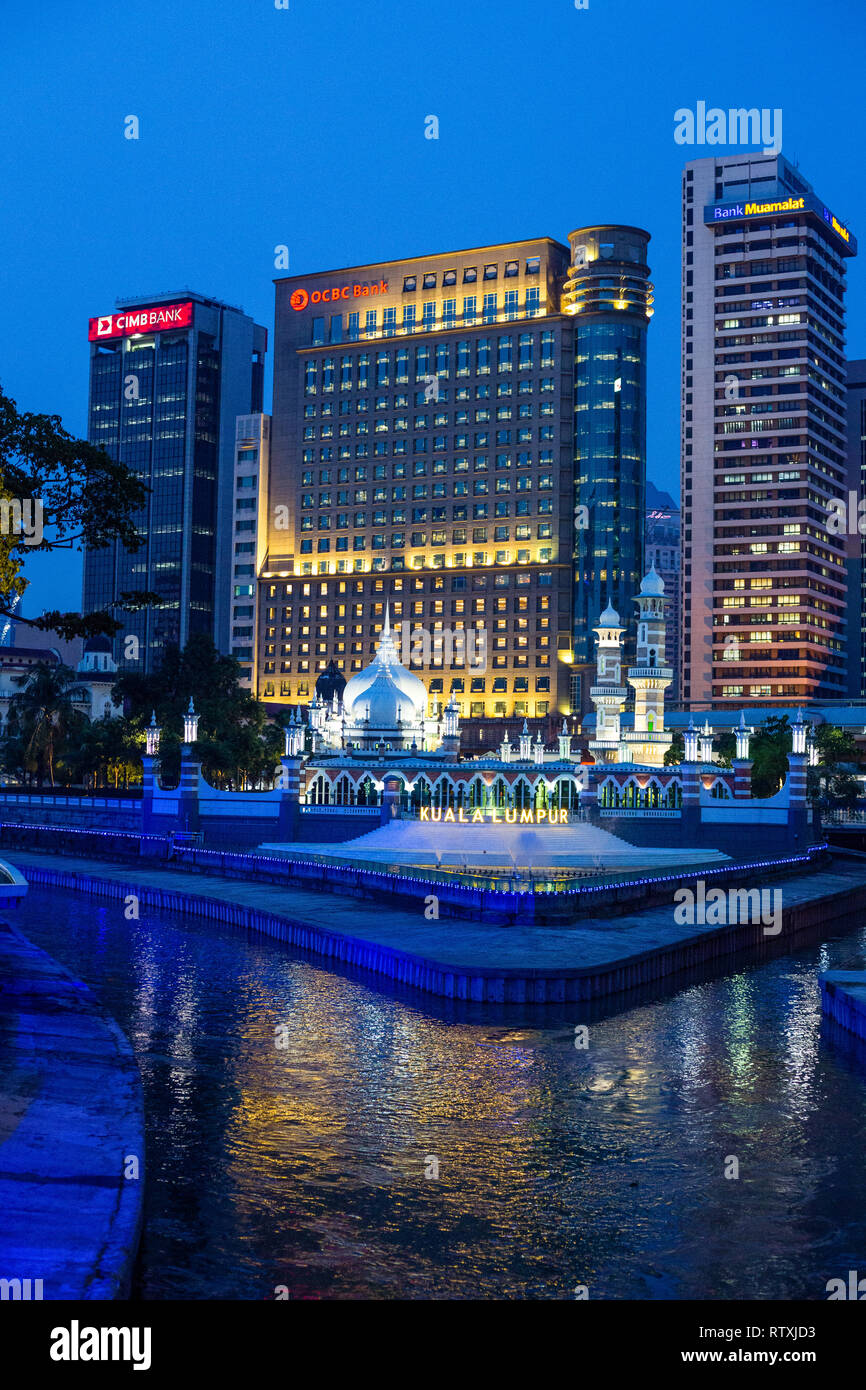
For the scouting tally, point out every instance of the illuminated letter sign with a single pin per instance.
(720, 212)
(761, 209)
(300, 298)
(150, 320)
(497, 814)
(842, 231)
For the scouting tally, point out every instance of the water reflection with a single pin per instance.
(304, 1164)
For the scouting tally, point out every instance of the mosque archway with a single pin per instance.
(319, 791)
(343, 791)
(421, 794)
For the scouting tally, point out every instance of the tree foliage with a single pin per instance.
(770, 746)
(675, 754)
(82, 498)
(106, 754)
(832, 783)
(49, 737)
(43, 718)
(236, 743)
(726, 748)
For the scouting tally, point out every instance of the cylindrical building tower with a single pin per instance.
(609, 293)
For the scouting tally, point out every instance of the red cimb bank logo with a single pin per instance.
(300, 299)
(155, 319)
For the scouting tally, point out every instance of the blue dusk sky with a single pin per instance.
(305, 127)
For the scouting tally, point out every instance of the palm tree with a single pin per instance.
(46, 713)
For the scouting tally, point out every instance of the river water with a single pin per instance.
(309, 1166)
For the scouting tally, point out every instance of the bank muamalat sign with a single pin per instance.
(155, 319)
(300, 298)
(740, 211)
(745, 209)
(837, 225)
(496, 815)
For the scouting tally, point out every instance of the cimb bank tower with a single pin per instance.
(460, 438)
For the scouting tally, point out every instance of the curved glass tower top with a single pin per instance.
(609, 294)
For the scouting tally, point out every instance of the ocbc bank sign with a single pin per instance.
(300, 298)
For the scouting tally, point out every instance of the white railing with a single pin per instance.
(90, 802)
(655, 813)
(341, 810)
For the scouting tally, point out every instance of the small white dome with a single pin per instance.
(610, 617)
(652, 583)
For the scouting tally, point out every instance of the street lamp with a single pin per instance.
(706, 743)
(690, 741)
(151, 734)
(190, 724)
(799, 735)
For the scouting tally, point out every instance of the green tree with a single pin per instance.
(834, 745)
(726, 748)
(107, 753)
(770, 746)
(14, 752)
(74, 494)
(832, 782)
(676, 752)
(236, 743)
(45, 716)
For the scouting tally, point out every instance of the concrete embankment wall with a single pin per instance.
(625, 967)
(233, 828)
(661, 832)
(85, 813)
(408, 889)
(71, 1124)
(843, 999)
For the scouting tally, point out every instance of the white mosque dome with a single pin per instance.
(384, 685)
(652, 583)
(413, 690)
(384, 704)
(356, 685)
(610, 617)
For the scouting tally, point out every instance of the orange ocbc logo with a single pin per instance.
(300, 298)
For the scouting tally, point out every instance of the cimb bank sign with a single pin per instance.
(154, 319)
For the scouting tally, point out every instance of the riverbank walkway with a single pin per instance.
(71, 1126)
(469, 959)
